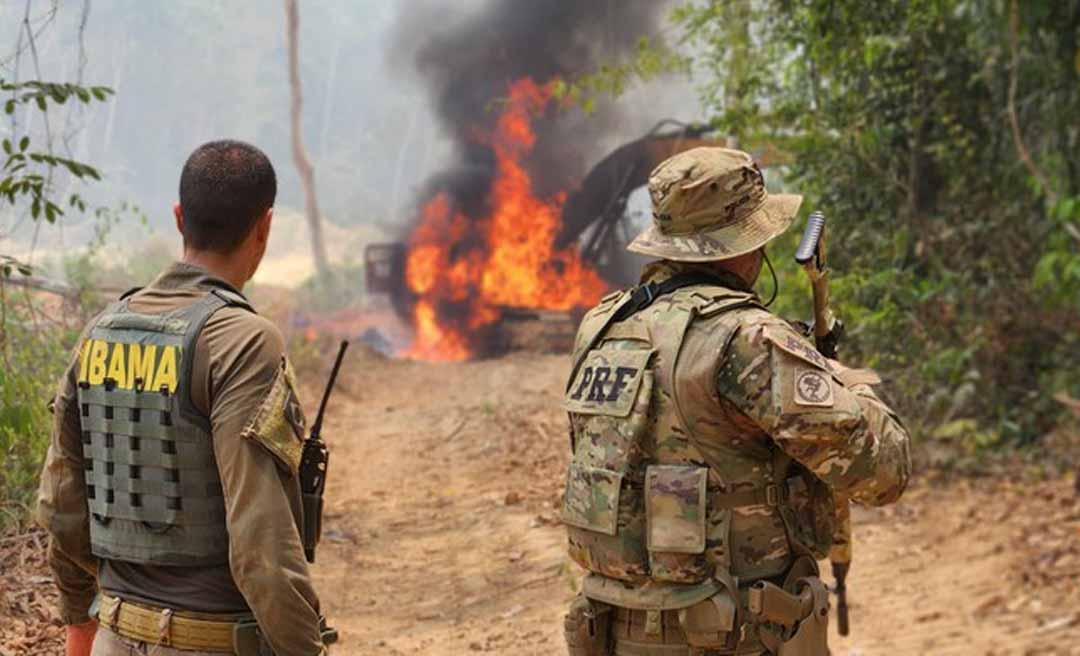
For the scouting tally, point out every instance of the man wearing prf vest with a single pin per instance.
(709, 438)
(170, 489)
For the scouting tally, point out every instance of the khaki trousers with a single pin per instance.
(108, 643)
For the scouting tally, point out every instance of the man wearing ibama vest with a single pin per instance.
(170, 487)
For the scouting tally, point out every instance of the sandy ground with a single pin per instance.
(441, 535)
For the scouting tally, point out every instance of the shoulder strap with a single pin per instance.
(232, 299)
(644, 295)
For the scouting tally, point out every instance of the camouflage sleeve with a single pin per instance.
(62, 508)
(841, 431)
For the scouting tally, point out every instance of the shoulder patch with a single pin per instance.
(813, 387)
(787, 341)
(278, 424)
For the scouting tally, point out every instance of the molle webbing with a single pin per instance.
(153, 487)
(146, 470)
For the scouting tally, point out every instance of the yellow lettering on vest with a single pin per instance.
(166, 370)
(141, 364)
(117, 370)
(84, 352)
(95, 370)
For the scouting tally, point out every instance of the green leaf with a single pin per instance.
(7, 146)
(24, 143)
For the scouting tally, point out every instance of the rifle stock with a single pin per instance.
(828, 330)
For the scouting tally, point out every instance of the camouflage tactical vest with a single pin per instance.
(152, 481)
(658, 468)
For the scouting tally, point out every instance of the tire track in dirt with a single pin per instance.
(440, 535)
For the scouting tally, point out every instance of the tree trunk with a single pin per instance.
(300, 157)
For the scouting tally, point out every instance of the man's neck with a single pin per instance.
(719, 270)
(227, 267)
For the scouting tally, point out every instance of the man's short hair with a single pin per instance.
(225, 187)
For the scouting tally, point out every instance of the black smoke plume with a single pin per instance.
(469, 66)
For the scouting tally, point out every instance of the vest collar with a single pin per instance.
(181, 275)
(661, 270)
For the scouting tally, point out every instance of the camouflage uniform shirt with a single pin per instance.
(734, 389)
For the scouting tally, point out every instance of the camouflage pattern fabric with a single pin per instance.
(711, 204)
(845, 436)
(729, 392)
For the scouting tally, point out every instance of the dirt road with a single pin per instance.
(441, 535)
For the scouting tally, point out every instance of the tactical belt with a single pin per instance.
(164, 626)
(773, 495)
(634, 634)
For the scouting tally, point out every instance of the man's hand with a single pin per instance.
(80, 638)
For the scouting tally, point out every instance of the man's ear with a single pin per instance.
(179, 214)
(263, 226)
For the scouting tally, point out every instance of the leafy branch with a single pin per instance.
(648, 62)
(41, 93)
(26, 173)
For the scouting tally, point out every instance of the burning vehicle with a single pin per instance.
(467, 281)
(516, 237)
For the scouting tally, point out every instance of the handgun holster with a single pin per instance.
(811, 635)
(588, 628)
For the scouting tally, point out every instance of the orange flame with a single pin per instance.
(462, 269)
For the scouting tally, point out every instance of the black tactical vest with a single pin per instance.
(152, 480)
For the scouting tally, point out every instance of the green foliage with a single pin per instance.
(940, 138)
(33, 353)
(1057, 273)
(36, 334)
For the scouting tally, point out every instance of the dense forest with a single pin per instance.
(941, 138)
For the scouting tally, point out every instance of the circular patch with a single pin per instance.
(812, 388)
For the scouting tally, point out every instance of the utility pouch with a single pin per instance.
(710, 623)
(588, 627)
(675, 509)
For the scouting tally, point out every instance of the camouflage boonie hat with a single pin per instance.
(711, 204)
